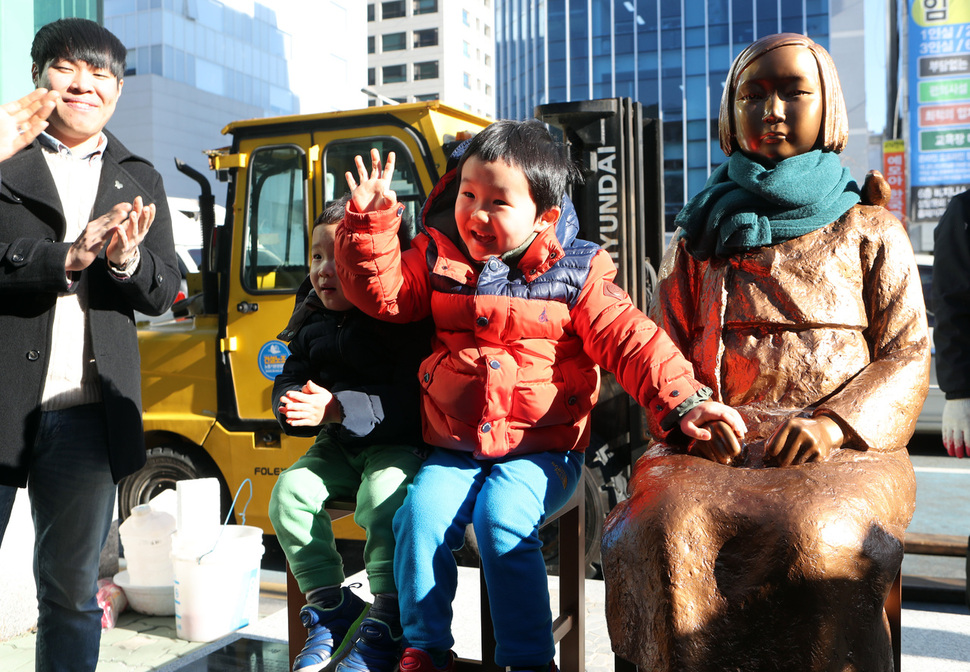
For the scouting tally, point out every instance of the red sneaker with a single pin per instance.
(418, 660)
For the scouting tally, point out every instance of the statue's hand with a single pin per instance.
(875, 190)
(800, 440)
(723, 447)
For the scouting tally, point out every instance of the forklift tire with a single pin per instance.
(164, 468)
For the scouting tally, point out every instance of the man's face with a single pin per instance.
(87, 101)
(778, 105)
(494, 210)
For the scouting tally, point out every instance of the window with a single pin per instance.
(488, 30)
(394, 42)
(130, 61)
(393, 10)
(392, 74)
(466, 49)
(426, 70)
(371, 77)
(426, 38)
(427, 96)
(275, 255)
(371, 44)
(488, 59)
(370, 11)
(405, 183)
(425, 7)
(464, 18)
(467, 80)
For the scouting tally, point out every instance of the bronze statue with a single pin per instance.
(802, 308)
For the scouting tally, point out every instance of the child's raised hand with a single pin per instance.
(310, 407)
(717, 430)
(374, 191)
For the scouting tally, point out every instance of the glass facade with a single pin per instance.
(670, 55)
(207, 45)
(46, 11)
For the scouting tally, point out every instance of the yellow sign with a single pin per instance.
(928, 13)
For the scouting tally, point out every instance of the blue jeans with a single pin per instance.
(72, 498)
(506, 501)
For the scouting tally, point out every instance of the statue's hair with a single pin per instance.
(835, 122)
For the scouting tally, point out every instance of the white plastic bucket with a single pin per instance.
(216, 591)
(147, 537)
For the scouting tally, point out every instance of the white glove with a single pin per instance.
(956, 427)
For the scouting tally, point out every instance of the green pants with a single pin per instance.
(376, 476)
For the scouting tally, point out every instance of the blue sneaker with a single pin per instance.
(374, 649)
(329, 631)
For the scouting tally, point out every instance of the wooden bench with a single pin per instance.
(568, 627)
(944, 545)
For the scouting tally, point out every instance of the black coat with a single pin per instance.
(951, 298)
(371, 367)
(32, 274)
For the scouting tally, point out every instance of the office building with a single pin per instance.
(673, 57)
(19, 20)
(407, 45)
(193, 66)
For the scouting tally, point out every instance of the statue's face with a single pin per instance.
(778, 105)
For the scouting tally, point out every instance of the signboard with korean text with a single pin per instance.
(894, 170)
(939, 105)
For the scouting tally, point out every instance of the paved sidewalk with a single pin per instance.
(935, 637)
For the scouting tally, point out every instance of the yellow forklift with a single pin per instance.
(207, 376)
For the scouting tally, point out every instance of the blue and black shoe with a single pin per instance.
(330, 631)
(374, 649)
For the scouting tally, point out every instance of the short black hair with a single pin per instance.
(333, 212)
(529, 146)
(73, 40)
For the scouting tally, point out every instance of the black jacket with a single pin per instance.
(370, 367)
(32, 274)
(951, 298)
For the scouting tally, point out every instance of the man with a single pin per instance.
(951, 304)
(70, 411)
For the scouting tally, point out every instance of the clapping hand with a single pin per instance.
(23, 120)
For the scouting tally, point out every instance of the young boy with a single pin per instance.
(351, 381)
(524, 315)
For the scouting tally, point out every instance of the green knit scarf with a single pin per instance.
(746, 205)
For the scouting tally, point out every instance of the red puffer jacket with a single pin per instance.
(515, 361)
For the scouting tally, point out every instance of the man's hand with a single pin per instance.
(130, 233)
(95, 236)
(374, 192)
(310, 407)
(956, 427)
(800, 440)
(23, 120)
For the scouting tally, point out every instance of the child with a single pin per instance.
(524, 314)
(351, 379)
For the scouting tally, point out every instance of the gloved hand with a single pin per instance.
(956, 427)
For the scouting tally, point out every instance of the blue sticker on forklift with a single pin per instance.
(271, 358)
